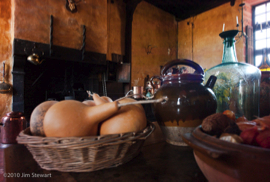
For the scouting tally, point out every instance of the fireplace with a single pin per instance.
(64, 74)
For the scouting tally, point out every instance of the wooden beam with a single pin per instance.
(130, 8)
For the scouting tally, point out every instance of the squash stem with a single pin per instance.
(161, 100)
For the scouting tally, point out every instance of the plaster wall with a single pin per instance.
(30, 20)
(198, 36)
(5, 52)
(154, 41)
(104, 21)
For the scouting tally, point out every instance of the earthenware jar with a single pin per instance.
(188, 101)
(11, 125)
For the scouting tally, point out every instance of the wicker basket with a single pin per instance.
(84, 154)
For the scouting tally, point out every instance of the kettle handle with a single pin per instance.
(197, 67)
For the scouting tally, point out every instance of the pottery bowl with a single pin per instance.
(224, 161)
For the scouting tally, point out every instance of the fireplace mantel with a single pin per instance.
(47, 51)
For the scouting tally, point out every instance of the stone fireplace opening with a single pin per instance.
(62, 75)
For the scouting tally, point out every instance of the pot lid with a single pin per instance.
(184, 77)
(15, 114)
(197, 76)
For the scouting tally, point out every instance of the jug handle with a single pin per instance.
(211, 81)
(197, 67)
(152, 78)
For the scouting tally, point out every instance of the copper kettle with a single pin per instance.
(35, 59)
(11, 125)
(155, 82)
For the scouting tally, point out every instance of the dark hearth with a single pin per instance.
(62, 75)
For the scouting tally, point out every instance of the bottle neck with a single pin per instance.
(229, 53)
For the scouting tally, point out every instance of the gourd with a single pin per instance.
(107, 99)
(71, 118)
(89, 102)
(37, 117)
(97, 100)
(129, 118)
(100, 100)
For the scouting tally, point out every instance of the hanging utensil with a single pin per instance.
(35, 59)
(4, 87)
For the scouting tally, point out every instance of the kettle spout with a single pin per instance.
(211, 81)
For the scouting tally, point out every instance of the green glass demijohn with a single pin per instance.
(238, 84)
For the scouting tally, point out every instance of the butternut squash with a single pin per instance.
(71, 118)
(130, 118)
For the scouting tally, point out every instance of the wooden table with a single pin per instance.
(157, 161)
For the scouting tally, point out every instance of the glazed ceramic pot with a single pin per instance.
(188, 101)
(10, 127)
(225, 161)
